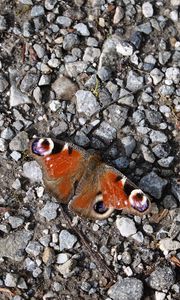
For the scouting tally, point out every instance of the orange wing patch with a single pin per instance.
(113, 193)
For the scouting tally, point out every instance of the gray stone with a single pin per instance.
(153, 184)
(11, 280)
(17, 97)
(15, 222)
(134, 82)
(126, 98)
(30, 265)
(147, 154)
(32, 171)
(92, 42)
(138, 116)
(126, 289)
(169, 202)
(124, 48)
(14, 244)
(162, 278)
(63, 258)
(75, 68)
(22, 284)
(146, 97)
(129, 144)
(66, 268)
(154, 117)
(121, 162)
(3, 145)
(126, 226)
(20, 142)
(147, 9)
(15, 155)
(86, 103)
(173, 74)
(166, 162)
(70, 41)
(166, 90)
(145, 28)
(119, 14)
(28, 29)
(64, 88)
(7, 133)
(164, 57)
(3, 23)
(104, 73)
(66, 240)
(161, 150)
(54, 63)
(81, 139)
(44, 80)
(91, 54)
(50, 4)
(39, 49)
(167, 244)
(33, 248)
(37, 11)
(3, 83)
(29, 82)
(64, 21)
(105, 132)
(116, 115)
(156, 75)
(62, 127)
(82, 29)
(49, 211)
(158, 137)
(176, 189)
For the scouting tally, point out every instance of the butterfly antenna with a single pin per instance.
(96, 256)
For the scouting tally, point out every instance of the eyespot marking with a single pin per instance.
(139, 200)
(42, 147)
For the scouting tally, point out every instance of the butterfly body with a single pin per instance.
(80, 179)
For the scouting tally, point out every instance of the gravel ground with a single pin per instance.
(103, 74)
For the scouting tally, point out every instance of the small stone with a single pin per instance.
(49, 211)
(28, 29)
(29, 82)
(167, 244)
(66, 240)
(164, 57)
(37, 11)
(124, 48)
(126, 226)
(104, 73)
(148, 229)
(147, 9)
(119, 15)
(116, 115)
(15, 155)
(34, 248)
(166, 162)
(64, 88)
(147, 154)
(81, 139)
(92, 42)
(129, 144)
(22, 284)
(159, 296)
(176, 189)
(11, 280)
(7, 133)
(82, 29)
(3, 82)
(3, 23)
(126, 289)
(153, 184)
(145, 28)
(48, 256)
(44, 80)
(16, 184)
(3, 145)
(162, 278)
(32, 171)
(40, 51)
(169, 202)
(75, 68)
(173, 74)
(54, 63)
(50, 4)
(138, 237)
(71, 40)
(175, 2)
(63, 258)
(64, 21)
(158, 137)
(166, 90)
(134, 82)
(20, 142)
(174, 16)
(15, 222)
(121, 162)
(17, 97)
(161, 150)
(156, 75)
(86, 103)
(91, 54)
(105, 132)
(62, 127)
(67, 267)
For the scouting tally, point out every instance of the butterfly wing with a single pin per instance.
(63, 165)
(106, 189)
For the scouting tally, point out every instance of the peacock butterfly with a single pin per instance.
(91, 188)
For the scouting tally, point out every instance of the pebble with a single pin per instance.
(116, 115)
(3, 82)
(159, 296)
(70, 41)
(161, 150)
(147, 9)
(164, 57)
(7, 133)
(147, 154)
(126, 289)
(166, 90)
(167, 244)
(3, 145)
(44, 80)
(66, 240)
(64, 21)
(17, 97)
(33, 248)
(63, 258)
(126, 226)
(82, 29)
(37, 11)
(153, 184)
(124, 48)
(158, 137)
(86, 103)
(162, 278)
(15, 222)
(39, 49)
(156, 75)
(15, 155)
(3, 23)
(32, 171)
(10, 280)
(53, 63)
(173, 74)
(129, 144)
(119, 14)
(64, 88)
(66, 268)
(166, 162)
(29, 82)
(91, 54)
(105, 132)
(49, 211)
(134, 82)
(104, 73)
(50, 4)
(20, 142)
(75, 68)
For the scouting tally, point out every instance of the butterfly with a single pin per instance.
(91, 188)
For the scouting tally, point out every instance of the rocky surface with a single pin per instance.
(103, 74)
